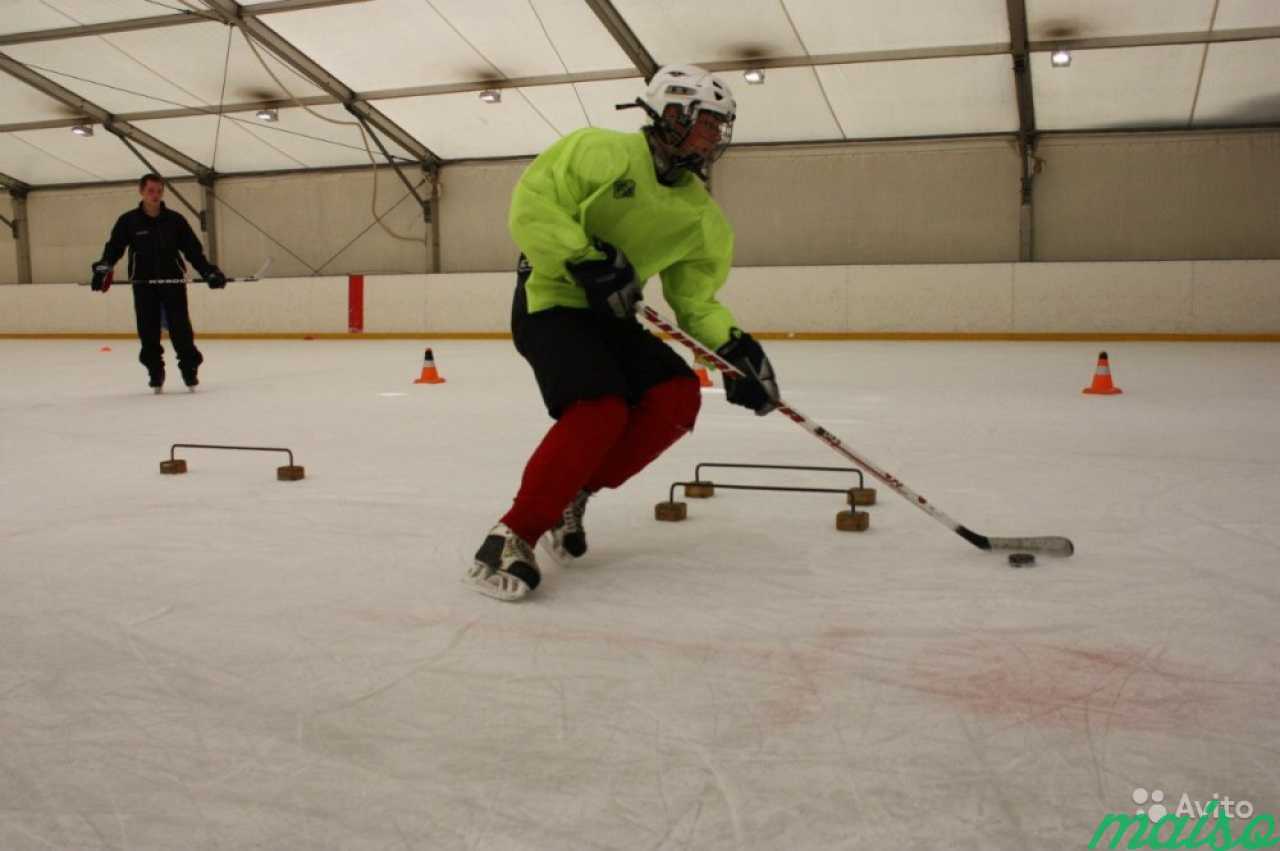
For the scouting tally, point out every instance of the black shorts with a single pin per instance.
(578, 354)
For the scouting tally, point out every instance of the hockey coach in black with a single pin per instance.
(154, 235)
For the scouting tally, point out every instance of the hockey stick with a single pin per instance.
(1050, 545)
(256, 276)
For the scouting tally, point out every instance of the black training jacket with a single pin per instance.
(153, 245)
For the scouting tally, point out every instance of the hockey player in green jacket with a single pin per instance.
(595, 216)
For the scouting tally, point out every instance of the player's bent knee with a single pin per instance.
(680, 398)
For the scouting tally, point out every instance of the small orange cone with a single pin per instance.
(1102, 385)
(105, 349)
(429, 373)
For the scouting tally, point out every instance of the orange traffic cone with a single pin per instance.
(105, 349)
(429, 373)
(1102, 385)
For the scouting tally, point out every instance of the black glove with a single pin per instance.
(102, 275)
(214, 278)
(759, 390)
(612, 289)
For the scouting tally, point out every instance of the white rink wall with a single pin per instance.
(1236, 297)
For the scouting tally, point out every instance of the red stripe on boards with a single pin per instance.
(355, 303)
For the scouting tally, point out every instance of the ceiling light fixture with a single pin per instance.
(491, 96)
(83, 130)
(1060, 58)
(754, 76)
(269, 115)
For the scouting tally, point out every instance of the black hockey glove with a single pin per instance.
(612, 289)
(215, 279)
(759, 391)
(102, 275)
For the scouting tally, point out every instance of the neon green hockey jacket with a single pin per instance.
(601, 184)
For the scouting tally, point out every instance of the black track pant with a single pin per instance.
(148, 301)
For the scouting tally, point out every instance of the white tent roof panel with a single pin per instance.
(59, 156)
(158, 69)
(1243, 14)
(27, 15)
(848, 26)
(559, 105)
(1104, 89)
(297, 140)
(461, 126)
(711, 30)
(410, 43)
(602, 98)
(1240, 84)
(1050, 19)
(239, 148)
(922, 97)
(525, 38)
(789, 107)
(21, 103)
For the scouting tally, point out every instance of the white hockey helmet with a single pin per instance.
(692, 89)
(697, 131)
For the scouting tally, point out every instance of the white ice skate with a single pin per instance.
(505, 567)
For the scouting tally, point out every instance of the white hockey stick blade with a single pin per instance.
(1049, 545)
(257, 276)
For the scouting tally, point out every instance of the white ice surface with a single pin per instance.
(221, 660)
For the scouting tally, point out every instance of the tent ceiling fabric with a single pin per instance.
(836, 85)
(180, 66)
(1149, 87)
(39, 157)
(450, 41)
(29, 15)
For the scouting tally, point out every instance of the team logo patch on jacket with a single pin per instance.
(624, 189)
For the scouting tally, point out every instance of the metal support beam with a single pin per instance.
(1017, 10)
(209, 221)
(422, 203)
(313, 71)
(21, 235)
(159, 21)
(91, 110)
(433, 173)
(624, 36)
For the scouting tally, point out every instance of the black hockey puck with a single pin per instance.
(1021, 559)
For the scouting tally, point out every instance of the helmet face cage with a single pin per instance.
(689, 105)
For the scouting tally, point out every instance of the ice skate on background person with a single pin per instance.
(595, 216)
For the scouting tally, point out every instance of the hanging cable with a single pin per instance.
(363, 136)
(222, 95)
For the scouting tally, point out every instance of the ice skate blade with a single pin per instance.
(510, 590)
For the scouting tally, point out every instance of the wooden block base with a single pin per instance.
(862, 496)
(700, 490)
(290, 473)
(853, 521)
(174, 467)
(671, 512)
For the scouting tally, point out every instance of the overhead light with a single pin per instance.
(1060, 58)
(83, 129)
(754, 76)
(491, 96)
(270, 115)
